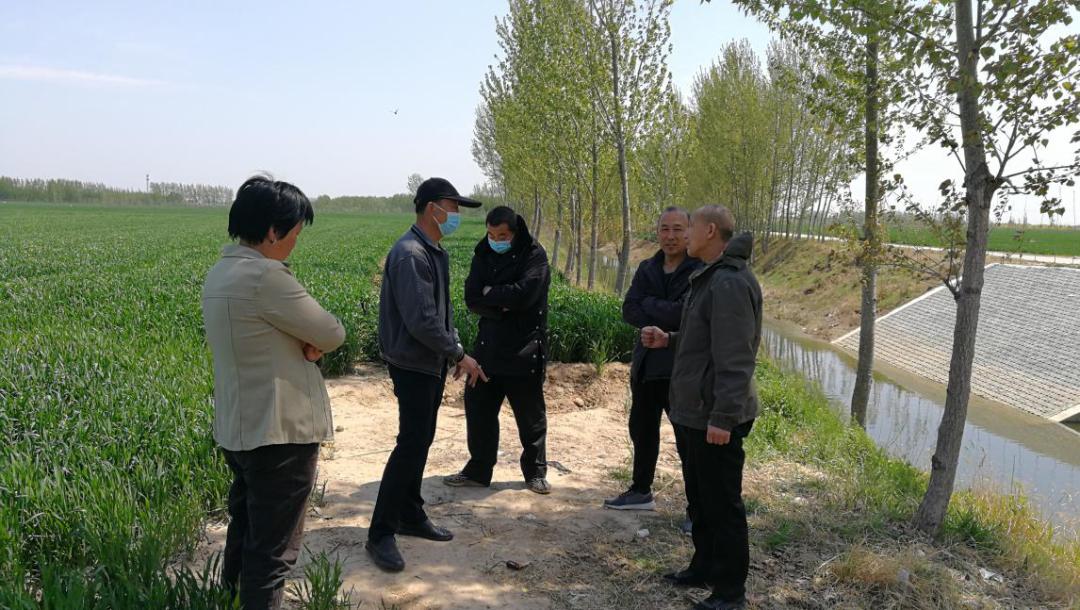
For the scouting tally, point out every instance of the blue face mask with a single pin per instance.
(500, 247)
(453, 221)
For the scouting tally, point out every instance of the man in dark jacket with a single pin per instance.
(714, 402)
(418, 341)
(656, 299)
(508, 288)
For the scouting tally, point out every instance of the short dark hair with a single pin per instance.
(502, 215)
(673, 208)
(262, 203)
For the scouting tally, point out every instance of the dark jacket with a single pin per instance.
(416, 331)
(512, 333)
(716, 346)
(656, 298)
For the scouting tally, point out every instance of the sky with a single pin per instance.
(339, 97)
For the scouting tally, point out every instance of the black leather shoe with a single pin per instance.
(715, 603)
(686, 578)
(427, 530)
(385, 554)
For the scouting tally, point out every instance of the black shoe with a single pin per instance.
(632, 500)
(459, 479)
(686, 578)
(687, 527)
(385, 554)
(427, 530)
(538, 485)
(714, 602)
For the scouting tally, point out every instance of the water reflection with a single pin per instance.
(1004, 449)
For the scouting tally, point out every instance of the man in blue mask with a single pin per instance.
(508, 288)
(418, 341)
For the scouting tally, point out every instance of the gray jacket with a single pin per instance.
(416, 330)
(258, 318)
(716, 347)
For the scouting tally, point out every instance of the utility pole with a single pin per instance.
(147, 183)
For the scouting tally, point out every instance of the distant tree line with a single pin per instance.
(175, 193)
(401, 202)
(75, 191)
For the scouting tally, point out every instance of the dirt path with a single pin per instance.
(587, 437)
(806, 552)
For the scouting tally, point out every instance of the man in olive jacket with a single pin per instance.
(714, 402)
(508, 288)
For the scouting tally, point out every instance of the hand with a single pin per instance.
(471, 368)
(486, 290)
(717, 436)
(654, 338)
(312, 353)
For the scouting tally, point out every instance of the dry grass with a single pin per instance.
(901, 579)
(817, 286)
(1021, 542)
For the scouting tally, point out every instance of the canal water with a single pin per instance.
(1004, 449)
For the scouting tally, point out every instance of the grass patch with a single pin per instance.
(319, 590)
(798, 424)
(785, 532)
(1061, 241)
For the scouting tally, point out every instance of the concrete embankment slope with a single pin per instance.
(1027, 353)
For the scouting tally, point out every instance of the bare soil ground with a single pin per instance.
(580, 555)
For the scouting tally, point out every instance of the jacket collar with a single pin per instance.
(242, 251)
(688, 261)
(425, 240)
(735, 255)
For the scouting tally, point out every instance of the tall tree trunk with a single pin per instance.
(577, 250)
(595, 219)
(538, 226)
(620, 147)
(536, 209)
(570, 242)
(863, 376)
(558, 226)
(979, 193)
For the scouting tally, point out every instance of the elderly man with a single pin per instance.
(655, 298)
(418, 341)
(714, 402)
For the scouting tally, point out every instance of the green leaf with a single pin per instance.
(986, 52)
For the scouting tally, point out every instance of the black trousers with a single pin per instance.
(482, 404)
(649, 402)
(267, 504)
(419, 396)
(713, 475)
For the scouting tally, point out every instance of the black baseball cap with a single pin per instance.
(434, 189)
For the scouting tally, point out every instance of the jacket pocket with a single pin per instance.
(705, 389)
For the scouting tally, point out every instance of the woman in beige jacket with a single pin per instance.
(271, 409)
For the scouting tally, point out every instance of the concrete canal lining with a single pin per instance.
(1027, 353)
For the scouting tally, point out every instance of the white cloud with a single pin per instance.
(58, 75)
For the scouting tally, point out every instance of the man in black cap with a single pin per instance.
(418, 341)
(508, 288)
